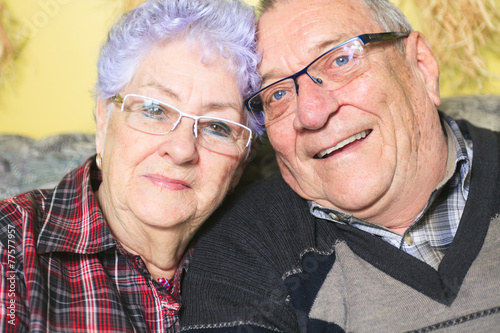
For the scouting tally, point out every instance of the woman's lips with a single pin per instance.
(164, 182)
(342, 144)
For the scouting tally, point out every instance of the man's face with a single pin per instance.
(390, 103)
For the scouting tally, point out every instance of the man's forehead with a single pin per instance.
(309, 21)
(270, 68)
(289, 40)
(283, 11)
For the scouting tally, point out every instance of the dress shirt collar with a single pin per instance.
(459, 159)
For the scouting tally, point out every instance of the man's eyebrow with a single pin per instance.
(316, 50)
(327, 45)
(272, 75)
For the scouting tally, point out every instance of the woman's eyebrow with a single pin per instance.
(223, 106)
(162, 89)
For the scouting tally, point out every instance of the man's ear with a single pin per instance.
(101, 118)
(419, 52)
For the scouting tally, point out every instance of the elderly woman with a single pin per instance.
(105, 251)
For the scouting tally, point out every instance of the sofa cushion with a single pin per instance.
(27, 164)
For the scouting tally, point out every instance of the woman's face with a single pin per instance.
(168, 180)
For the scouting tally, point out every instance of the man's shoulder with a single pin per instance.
(242, 254)
(265, 204)
(265, 215)
(272, 192)
(474, 132)
(274, 186)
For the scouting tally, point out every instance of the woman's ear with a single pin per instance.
(418, 51)
(101, 118)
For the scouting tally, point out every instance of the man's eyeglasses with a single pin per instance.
(331, 70)
(152, 116)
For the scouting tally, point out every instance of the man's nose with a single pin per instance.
(315, 105)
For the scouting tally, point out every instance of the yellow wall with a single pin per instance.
(49, 87)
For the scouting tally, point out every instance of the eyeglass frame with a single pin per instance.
(364, 38)
(118, 99)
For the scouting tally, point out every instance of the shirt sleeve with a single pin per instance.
(13, 308)
(235, 280)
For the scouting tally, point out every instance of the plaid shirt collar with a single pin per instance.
(68, 219)
(83, 229)
(88, 232)
(434, 229)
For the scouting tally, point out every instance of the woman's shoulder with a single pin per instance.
(19, 218)
(16, 208)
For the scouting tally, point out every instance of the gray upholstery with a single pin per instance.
(483, 111)
(27, 164)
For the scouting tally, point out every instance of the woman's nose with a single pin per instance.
(180, 144)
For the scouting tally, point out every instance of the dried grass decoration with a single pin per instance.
(12, 40)
(461, 32)
(6, 48)
(458, 30)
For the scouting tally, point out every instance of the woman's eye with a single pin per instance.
(153, 111)
(218, 128)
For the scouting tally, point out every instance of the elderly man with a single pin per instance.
(386, 218)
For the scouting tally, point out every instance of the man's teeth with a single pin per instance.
(342, 144)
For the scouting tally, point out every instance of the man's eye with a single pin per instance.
(341, 61)
(279, 95)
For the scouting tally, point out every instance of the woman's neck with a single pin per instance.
(161, 248)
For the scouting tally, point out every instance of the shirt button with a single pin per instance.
(408, 239)
(334, 216)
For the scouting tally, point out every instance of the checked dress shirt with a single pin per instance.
(431, 234)
(63, 271)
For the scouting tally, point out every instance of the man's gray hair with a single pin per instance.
(384, 13)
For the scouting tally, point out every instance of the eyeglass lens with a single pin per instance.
(154, 117)
(331, 71)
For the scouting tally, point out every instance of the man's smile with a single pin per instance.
(342, 144)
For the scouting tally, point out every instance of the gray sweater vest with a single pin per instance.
(264, 264)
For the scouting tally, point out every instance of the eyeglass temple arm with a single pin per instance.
(383, 36)
(117, 99)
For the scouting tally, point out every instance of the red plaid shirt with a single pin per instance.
(63, 271)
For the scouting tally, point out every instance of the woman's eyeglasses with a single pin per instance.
(152, 116)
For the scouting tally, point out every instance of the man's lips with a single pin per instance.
(174, 184)
(342, 144)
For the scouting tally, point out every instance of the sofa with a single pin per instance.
(26, 163)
